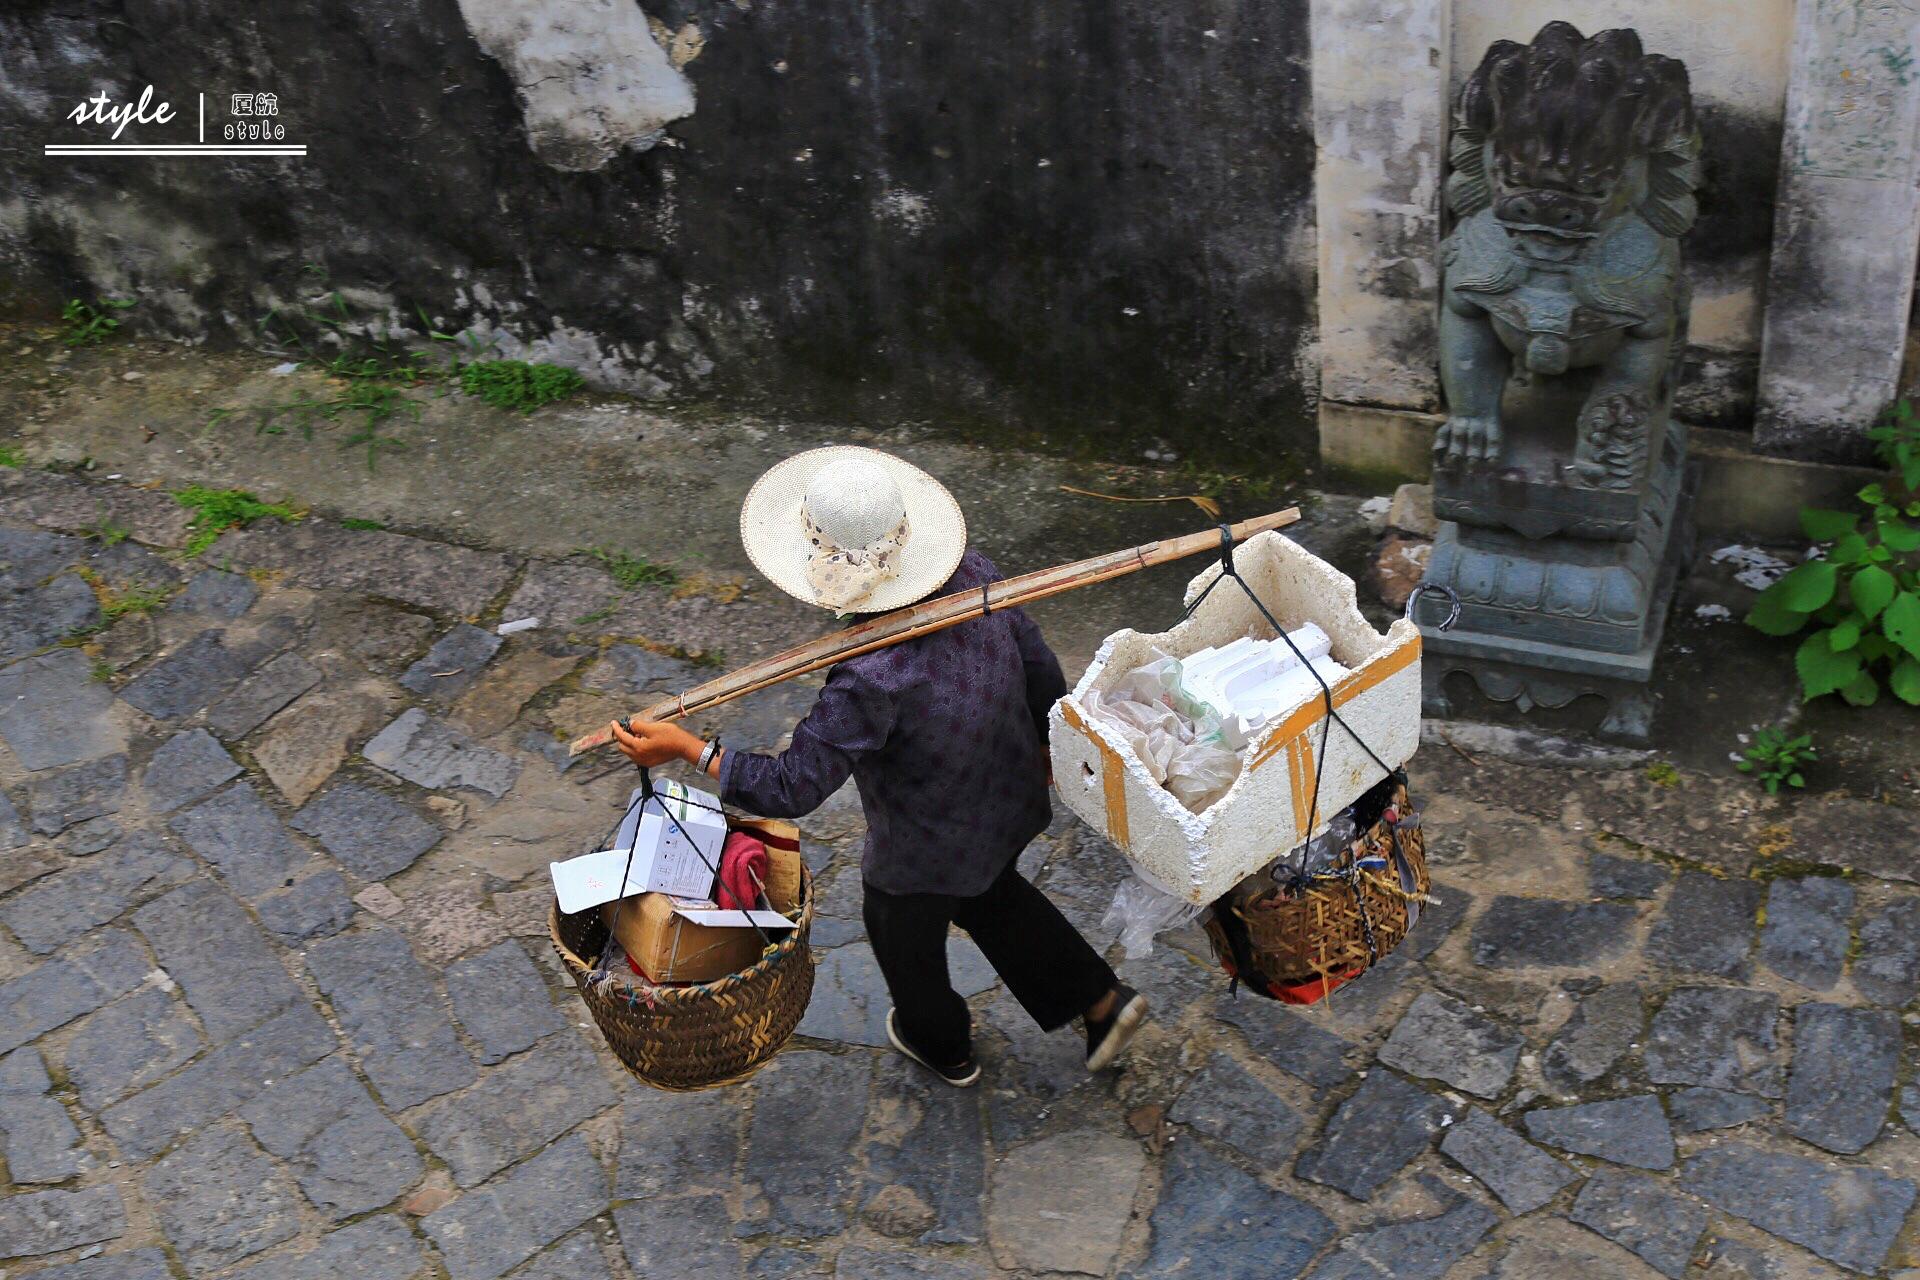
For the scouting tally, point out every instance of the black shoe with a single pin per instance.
(1108, 1037)
(959, 1076)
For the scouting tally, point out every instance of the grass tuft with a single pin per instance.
(632, 571)
(518, 385)
(217, 510)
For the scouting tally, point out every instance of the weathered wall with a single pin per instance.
(1736, 53)
(1080, 218)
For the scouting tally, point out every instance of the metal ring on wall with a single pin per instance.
(1453, 604)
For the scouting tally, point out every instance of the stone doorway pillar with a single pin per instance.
(1846, 229)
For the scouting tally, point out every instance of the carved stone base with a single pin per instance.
(1521, 655)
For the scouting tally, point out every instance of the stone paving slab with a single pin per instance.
(373, 562)
(385, 1002)
(1846, 1215)
(1522, 1175)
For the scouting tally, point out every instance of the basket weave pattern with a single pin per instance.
(1320, 933)
(695, 1037)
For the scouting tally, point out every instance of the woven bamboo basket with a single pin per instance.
(697, 1037)
(1321, 934)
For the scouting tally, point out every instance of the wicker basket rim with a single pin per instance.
(767, 960)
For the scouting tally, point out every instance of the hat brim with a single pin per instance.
(776, 541)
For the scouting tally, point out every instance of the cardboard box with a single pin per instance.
(681, 856)
(683, 940)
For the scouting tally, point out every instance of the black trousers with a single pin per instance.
(1050, 969)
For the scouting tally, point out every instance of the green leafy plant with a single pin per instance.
(632, 571)
(11, 457)
(1863, 592)
(518, 385)
(217, 510)
(1663, 774)
(85, 324)
(1775, 759)
(358, 522)
(109, 534)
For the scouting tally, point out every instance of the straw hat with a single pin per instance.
(853, 530)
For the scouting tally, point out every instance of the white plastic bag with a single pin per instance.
(1182, 754)
(1140, 910)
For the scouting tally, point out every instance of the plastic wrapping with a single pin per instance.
(1141, 910)
(1182, 753)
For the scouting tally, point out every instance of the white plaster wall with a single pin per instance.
(1737, 54)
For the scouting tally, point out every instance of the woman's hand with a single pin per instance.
(650, 744)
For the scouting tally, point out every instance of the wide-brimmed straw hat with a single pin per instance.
(853, 530)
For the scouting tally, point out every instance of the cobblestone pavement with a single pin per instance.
(276, 999)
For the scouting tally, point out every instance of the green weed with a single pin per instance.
(217, 510)
(84, 324)
(518, 385)
(109, 534)
(134, 600)
(11, 457)
(632, 571)
(356, 522)
(1775, 759)
(1662, 774)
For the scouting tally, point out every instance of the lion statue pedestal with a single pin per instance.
(1561, 475)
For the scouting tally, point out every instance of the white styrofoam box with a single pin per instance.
(1199, 856)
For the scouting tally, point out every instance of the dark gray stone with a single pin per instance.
(262, 694)
(316, 907)
(90, 837)
(60, 908)
(1226, 1102)
(79, 980)
(62, 797)
(932, 1159)
(1708, 926)
(1412, 1249)
(1806, 935)
(1604, 1025)
(574, 1258)
(677, 1141)
(1846, 1215)
(38, 1222)
(46, 615)
(433, 754)
(1887, 969)
(135, 1264)
(29, 557)
(1524, 932)
(855, 1263)
(53, 712)
(128, 1045)
(221, 960)
(782, 1263)
(1288, 1040)
(147, 1123)
(517, 1107)
(375, 835)
(124, 565)
(216, 593)
(387, 1006)
(1436, 921)
(1719, 1038)
(219, 1200)
(1611, 877)
(1376, 1133)
(190, 677)
(1630, 1131)
(499, 998)
(1910, 1106)
(628, 668)
(850, 998)
(186, 767)
(808, 1111)
(13, 831)
(453, 663)
(691, 1243)
(1841, 1085)
(41, 1143)
(1641, 1214)
(1442, 1039)
(1697, 1110)
(494, 1228)
(379, 1248)
(1521, 1174)
(346, 1155)
(1213, 1220)
(239, 834)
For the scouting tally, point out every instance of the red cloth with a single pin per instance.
(743, 869)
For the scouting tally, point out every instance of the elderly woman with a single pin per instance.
(945, 737)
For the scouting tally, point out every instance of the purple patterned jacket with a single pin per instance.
(945, 736)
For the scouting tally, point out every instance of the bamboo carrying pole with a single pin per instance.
(934, 615)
